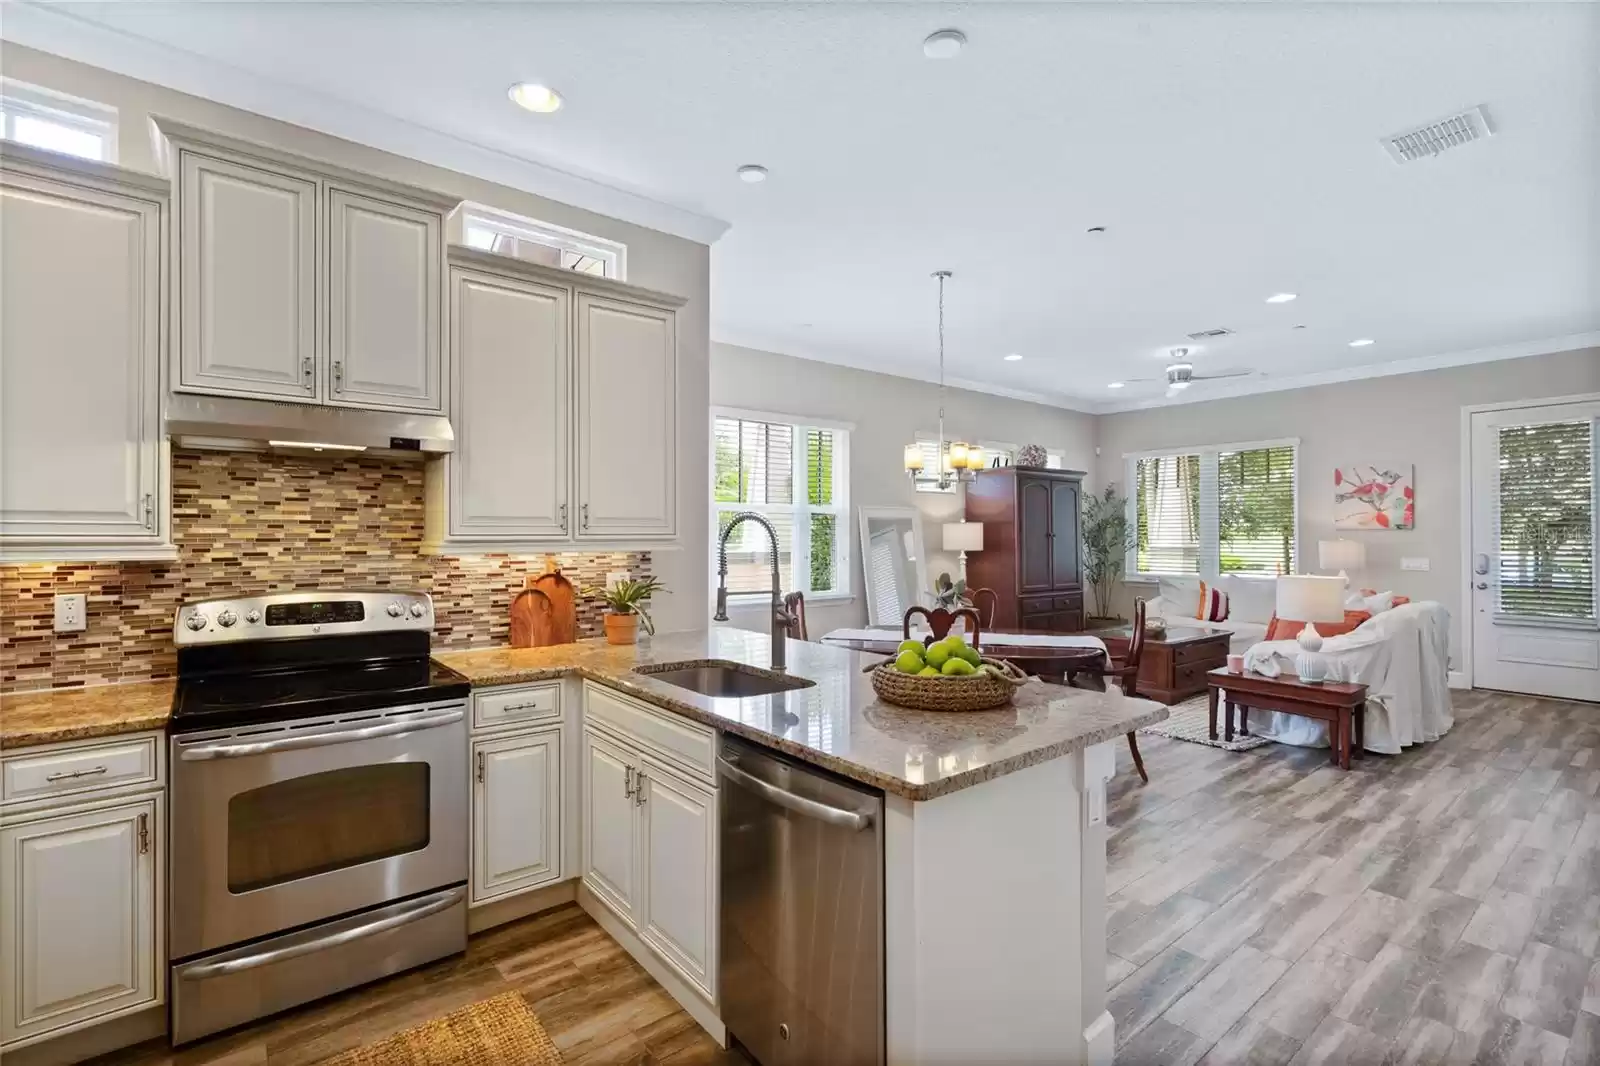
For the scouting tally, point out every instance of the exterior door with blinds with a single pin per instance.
(1535, 624)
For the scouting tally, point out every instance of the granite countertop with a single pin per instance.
(839, 723)
(55, 715)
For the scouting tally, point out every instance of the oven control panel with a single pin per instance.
(279, 615)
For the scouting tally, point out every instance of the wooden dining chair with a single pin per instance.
(977, 596)
(1124, 670)
(795, 605)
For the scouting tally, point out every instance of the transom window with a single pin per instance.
(56, 122)
(1229, 509)
(795, 474)
(541, 242)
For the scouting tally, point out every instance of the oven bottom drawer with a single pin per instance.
(229, 988)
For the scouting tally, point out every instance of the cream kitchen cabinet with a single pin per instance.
(300, 281)
(83, 471)
(610, 824)
(516, 813)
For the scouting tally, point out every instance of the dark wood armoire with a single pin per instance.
(1032, 549)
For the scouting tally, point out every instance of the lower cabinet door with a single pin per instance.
(610, 824)
(78, 916)
(516, 814)
(678, 898)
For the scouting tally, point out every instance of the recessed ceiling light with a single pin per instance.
(535, 97)
(1362, 342)
(1281, 297)
(752, 174)
(1116, 385)
(944, 44)
(1013, 357)
(1297, 327)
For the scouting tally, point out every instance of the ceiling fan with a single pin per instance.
(1180, 373)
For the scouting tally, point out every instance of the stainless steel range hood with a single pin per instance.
(260, 425)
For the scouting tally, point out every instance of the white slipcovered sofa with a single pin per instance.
(1250, 604)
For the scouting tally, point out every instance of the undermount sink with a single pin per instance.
(722, 679)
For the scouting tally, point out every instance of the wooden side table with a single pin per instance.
(1173, 667)
(1343, 706)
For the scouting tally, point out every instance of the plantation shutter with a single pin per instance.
(1168, 503)
(1544, 512)
(1255, 511)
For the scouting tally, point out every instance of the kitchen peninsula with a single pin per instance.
(993, 832)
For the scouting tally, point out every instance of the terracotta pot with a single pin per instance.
(622, 628)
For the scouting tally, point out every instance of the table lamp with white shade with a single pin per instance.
(963, 537)
(1309, 599)
(1342, 555)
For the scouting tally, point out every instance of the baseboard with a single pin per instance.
(98, 1039)
(1457, 679)
(688, 997)
(522, 905)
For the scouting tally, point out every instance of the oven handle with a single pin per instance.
(320, 740)
(418, 910)
(789, 801)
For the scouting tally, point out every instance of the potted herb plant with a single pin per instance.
(625, 611)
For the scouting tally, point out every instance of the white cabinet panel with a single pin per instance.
(510, 352)
(678, 897)
(80, 373)
(248, 279)
(627, 381)
(610, 825)
(516, 814)
(78, 914)
(384, 304)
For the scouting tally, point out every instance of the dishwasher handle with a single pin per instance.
(789, 801)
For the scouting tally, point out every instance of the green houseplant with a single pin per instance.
(1107, 539)
(625, 610)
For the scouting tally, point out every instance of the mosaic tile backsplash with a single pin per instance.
(248, 522)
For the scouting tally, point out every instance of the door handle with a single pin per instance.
(320, 740)
(149, 511)
(563, 518)
(585, 516)
(307, 372)
(789, 801)
(68, 775)
(638, 787)
(338, 376)
(1480, 564)
(1482, 585)
(144, 834)
(480, 768)
(627, 781)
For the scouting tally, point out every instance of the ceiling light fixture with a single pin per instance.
(1013, 358)
(958, 461)
(944, 44)
(1281, 297)
(752, 174)
(540, 99)
(1362, 342)
(1116, 385)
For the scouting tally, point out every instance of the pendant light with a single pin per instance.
(958, 461)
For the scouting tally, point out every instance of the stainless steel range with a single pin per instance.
(319, 801)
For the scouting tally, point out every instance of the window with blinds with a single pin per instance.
(1224, 510)
(794, 476)
(1545, 517)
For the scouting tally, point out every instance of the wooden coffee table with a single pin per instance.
(1172, 667)
(1342, 705)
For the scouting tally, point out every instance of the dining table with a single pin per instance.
(1050, 655)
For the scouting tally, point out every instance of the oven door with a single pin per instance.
(277, 826)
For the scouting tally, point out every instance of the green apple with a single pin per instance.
(928, 671)
(937, 655)
(971, 655)
(909, 645)
(909, 662)
(956, 668)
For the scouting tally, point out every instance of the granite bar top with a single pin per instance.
(55, 715)
(839, 723)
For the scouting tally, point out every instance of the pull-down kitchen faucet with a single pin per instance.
(781, 618)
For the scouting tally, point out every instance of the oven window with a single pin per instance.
(320, 822)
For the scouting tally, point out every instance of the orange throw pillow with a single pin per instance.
(1289, 629)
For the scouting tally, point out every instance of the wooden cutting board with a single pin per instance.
(563, 599)
(532, 621)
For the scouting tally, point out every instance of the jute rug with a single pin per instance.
(1189, 721)
(501, 1031)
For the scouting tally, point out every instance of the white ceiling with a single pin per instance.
(1231, 151)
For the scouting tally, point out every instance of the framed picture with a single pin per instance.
(1374, 496)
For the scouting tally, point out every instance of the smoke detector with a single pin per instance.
(1439, 137)
(1211, 334)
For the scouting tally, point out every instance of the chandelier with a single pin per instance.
(958, 461)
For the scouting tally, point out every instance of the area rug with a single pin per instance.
(502, 1031)
(1190, 721)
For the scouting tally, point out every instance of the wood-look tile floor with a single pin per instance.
(1436, 907)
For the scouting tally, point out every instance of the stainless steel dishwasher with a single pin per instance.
(802, 911)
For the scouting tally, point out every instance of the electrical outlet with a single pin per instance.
(1411, 562)
(72, 612)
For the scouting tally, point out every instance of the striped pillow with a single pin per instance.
(1213, 604)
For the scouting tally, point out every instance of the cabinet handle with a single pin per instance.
(627, 781)
(68, 775)
(338, 376)
(585, 516)
(480, 768)
(144, 834)
(638, 788)
(149, 511)
(563, 518)
(508, 708)
(307, 372)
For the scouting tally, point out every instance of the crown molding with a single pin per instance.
(60, 32)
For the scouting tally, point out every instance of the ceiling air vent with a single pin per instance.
(1211, 334)
(1438, 137)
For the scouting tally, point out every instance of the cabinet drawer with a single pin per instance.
(1189, 679)
(1069, 603)
(1038, 605)
(78, 769)
(504, 706)
(1208, 654)
(680, 742)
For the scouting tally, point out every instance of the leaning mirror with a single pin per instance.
(894, 568)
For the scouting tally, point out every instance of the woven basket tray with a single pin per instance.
(975, 692)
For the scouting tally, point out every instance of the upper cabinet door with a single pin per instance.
(1033, 535)
(510, 359)
(627, 419)
(247, 265)
(1065, 569)
(383, 304)
(80, 372)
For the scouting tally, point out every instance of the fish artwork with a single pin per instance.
(1374, 496)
